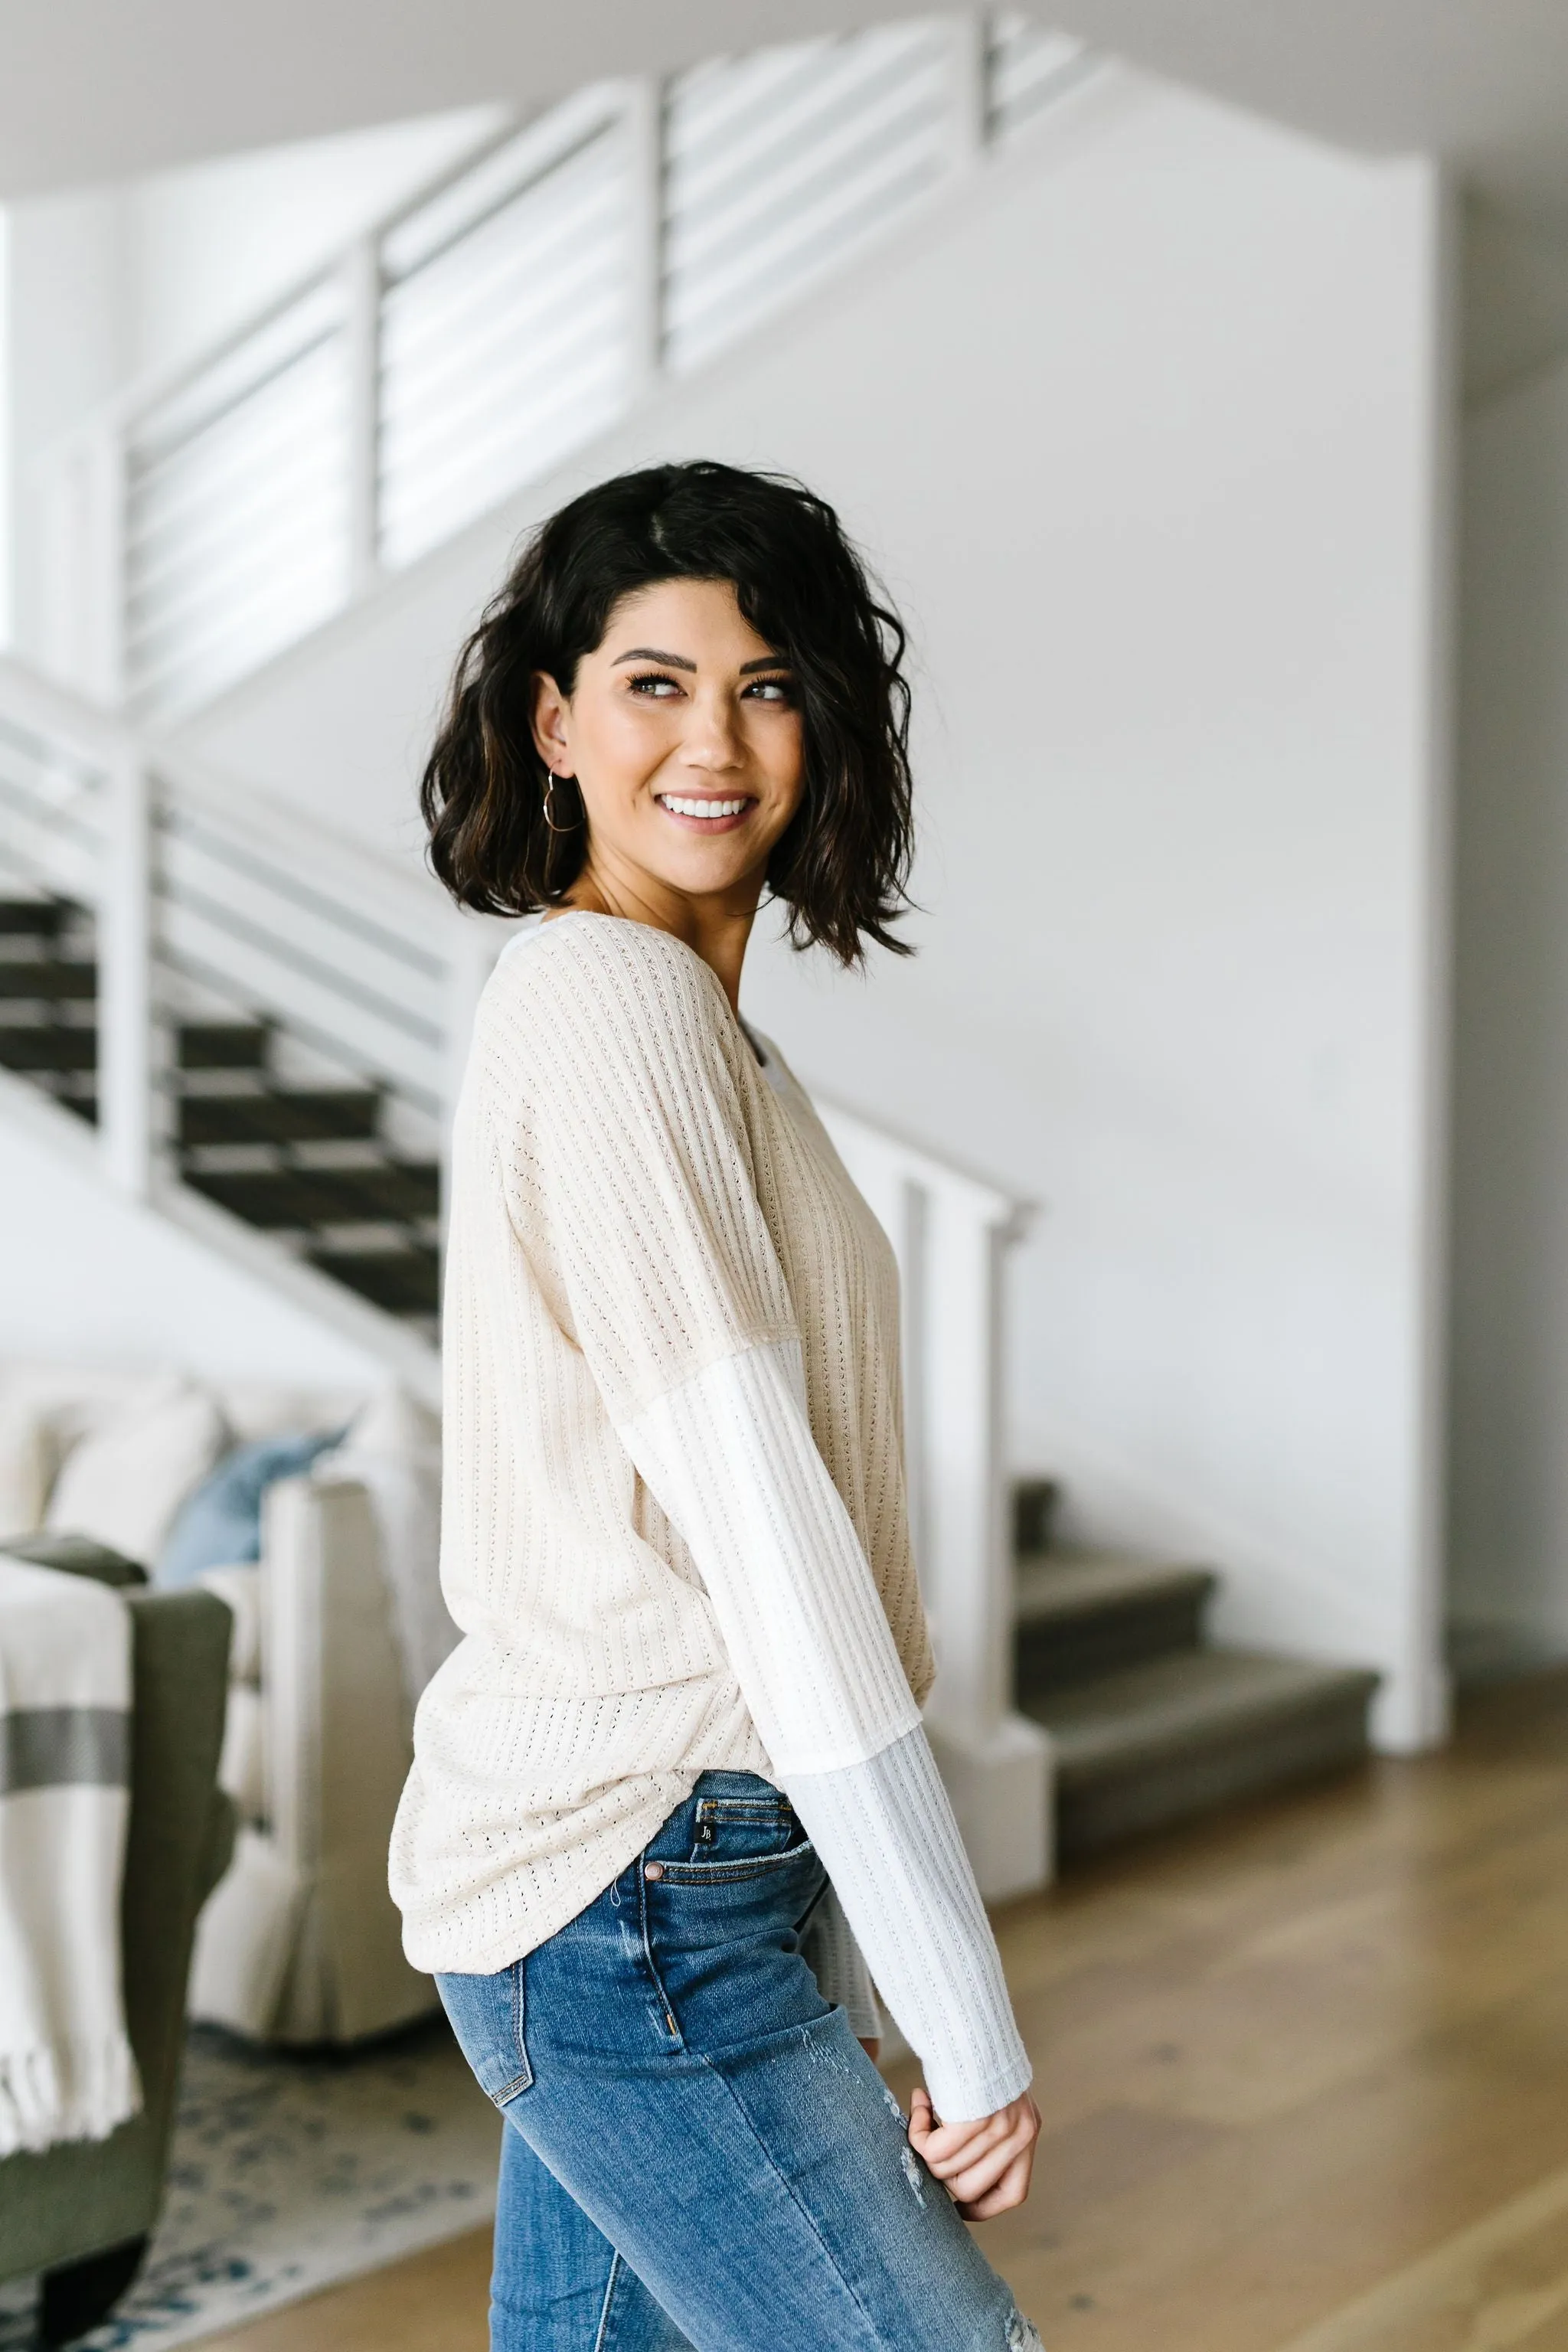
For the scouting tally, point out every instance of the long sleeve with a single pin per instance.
(633, 1184)
(730, 1457)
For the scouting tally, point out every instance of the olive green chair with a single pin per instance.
(81, 2214)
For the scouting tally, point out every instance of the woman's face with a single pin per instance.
(684, 734)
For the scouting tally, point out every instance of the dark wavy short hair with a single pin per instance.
(842, 864)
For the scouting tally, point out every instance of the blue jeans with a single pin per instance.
(700, 2152)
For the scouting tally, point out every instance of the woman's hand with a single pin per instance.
(984, 2166)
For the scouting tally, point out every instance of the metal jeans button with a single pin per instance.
(653, 1870)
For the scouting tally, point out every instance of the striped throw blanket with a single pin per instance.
(66, 2067)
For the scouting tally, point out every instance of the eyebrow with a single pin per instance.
(679, 661)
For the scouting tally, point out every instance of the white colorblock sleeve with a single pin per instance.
(730, 1457)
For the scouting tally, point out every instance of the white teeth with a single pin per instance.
(700, 808)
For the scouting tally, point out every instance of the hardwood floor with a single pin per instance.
(1305, 2078)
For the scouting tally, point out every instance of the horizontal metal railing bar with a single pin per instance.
(542, 240)
(249, 536)
(305, 1019)
(244, 537)
(265, 423)
(852, 69)
(1028, 86)
(886, 188)
(98, 736)
(548, 432)
(517, 295)
(576, 348)
(600, 122)
(705, 105)
(299, 604)
(721, 219)
(200, 829)
(405, 897)
(340, 986)
(32, 744)
(48, 817)
(172, 426)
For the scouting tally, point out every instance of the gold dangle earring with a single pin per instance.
(549, 797)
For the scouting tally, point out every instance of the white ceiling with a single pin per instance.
(101, 90)
(94, 90)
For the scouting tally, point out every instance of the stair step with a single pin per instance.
(404, 1281)
(37, 919)
(280, 1115)
(46, 980)
(1083, 1615)
(398, 1193)
(51, 1045)
(221, 1045)
(1185, 1735)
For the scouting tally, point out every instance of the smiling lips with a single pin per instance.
(711, 813)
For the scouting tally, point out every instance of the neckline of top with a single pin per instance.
(541, 921)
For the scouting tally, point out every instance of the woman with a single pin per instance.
(672, 1784)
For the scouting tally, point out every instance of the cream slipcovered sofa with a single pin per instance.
(299, 1943)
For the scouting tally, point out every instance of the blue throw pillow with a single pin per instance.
(219, 1523)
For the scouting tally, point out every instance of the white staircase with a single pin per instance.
(510, 312)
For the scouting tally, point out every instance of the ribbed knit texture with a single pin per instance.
(674, 1531)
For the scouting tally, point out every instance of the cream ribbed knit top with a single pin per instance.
(674, 1531)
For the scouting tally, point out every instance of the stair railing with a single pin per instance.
(513, 309)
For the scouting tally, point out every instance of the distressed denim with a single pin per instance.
(699, 2154)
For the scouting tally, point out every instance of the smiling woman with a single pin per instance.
(671, 643)
(673, 1784)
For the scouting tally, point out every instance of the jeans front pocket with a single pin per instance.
(487, 2016)
(738, 1838)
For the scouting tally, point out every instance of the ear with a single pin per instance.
(548, 722)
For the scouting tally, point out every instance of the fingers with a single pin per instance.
(1010, 2190)
(985, 2163)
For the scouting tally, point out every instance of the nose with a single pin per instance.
(712, 739)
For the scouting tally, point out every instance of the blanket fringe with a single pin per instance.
(43, 2102)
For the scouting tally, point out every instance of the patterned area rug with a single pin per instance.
(289, 2173)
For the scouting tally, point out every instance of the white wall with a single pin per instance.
(1509, 1444)
(87, 1278)
(1142, 439)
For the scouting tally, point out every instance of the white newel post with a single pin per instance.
(125, 1058)
(996, 1764)
(644, 131)
(969, 89)
(362, 289)
(949, 1232)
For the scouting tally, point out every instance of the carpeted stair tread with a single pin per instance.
(47, 980)
(1158, 1711)
(1057, 1587)
(285, 1199)
(48, 1047)
(1083, 1615)
(401, 1281)
(302, 1115)
(221, 1045)
(36, 919)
